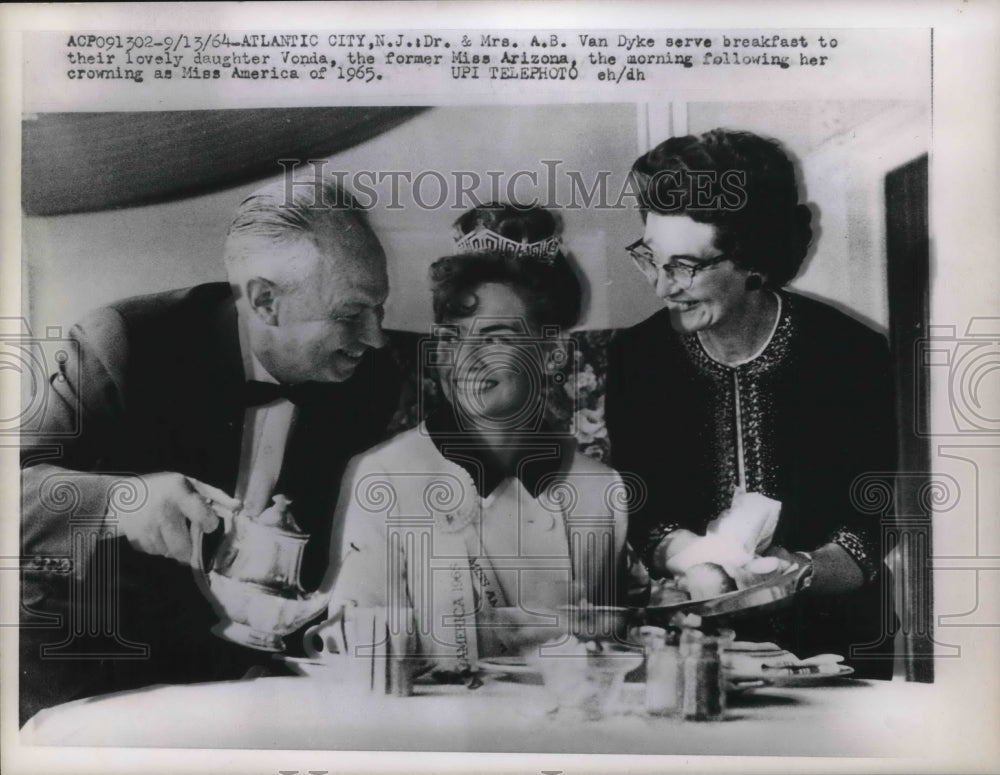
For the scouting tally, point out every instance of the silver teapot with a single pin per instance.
(253, 580)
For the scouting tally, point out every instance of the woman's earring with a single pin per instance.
(754, 282)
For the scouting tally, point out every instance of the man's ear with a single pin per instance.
(262, 298)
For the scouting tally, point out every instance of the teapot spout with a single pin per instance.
(311, 605)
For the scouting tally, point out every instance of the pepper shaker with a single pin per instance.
(701, 686)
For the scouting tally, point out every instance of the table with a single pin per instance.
(849, 718)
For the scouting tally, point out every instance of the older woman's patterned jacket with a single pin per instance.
(800, 423)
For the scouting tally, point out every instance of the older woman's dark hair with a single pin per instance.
(742, 184)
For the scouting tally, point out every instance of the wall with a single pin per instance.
(74, 263)
(843, 151)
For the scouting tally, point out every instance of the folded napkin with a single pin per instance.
(778, 662)
(749, 522)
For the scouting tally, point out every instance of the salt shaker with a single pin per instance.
(401, 631)
(661, 670)
(701, 686)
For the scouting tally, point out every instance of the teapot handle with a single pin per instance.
(197, 534)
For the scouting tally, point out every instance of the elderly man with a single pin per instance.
(178, 406)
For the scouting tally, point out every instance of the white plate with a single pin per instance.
(806, 679)
(754, 649)
(775, 592)
(737, 685)
(777, 678)
(508, 665)
(310, 668)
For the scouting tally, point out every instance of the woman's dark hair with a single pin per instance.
(549, 285)
(527, 224)
(742, 184)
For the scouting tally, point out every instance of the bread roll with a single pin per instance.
(706, 580)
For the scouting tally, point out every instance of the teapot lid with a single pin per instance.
(279, 515)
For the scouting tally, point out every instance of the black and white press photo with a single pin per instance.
(523, 392)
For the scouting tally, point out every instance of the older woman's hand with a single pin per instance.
(671, 545)
(793, 558)
(834, 570)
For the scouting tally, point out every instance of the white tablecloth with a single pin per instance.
(850, 718)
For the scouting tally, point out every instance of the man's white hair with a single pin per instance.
(281, 213)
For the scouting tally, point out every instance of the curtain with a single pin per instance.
(84, 162)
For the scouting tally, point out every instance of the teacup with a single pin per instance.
(584, 678)
(326, 640)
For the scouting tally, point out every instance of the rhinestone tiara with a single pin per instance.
(483, 239)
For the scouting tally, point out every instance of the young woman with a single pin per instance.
(483, 509)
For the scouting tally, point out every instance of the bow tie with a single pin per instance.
(305, 393)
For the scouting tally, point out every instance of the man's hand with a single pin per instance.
(160, 527)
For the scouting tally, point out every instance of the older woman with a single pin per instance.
(739, 387)
(483, 508)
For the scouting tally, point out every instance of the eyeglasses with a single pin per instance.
(682, 273)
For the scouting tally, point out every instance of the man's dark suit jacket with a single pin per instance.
(154, 384)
